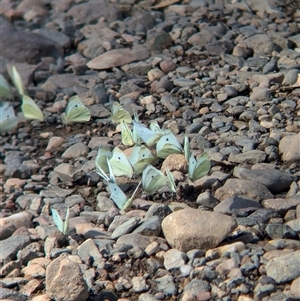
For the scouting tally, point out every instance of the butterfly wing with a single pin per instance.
(168, 144)
(120, 164)
(8, 119)
(187, 149)
(152, 179)
(76, 111)
(117, 195)
(154, 126)
(148, 136)
(67, 222)
(119, 114)
(17, 80)
(126, 134)
(31, 109)
(140, 157)
(5, 91)
(130, 200)
(171, 180)
(57, 220)
(112, 178)
(198, 169)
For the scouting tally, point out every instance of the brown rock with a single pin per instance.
(118, 57)
(72, 288)
(175, 162)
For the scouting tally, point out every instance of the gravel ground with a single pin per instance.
(224, 73)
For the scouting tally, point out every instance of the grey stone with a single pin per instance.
(289, 147)
(68, 173)
(160, 210)
(11, 294)
(291, 77)
(275, 180)
(93, 11)
(26, 46)
(88, 251)
(10, 246)
(56, 37)
(170, 102)
(56, 192)
(280, 231)
(183, 82)
(196, 286)
(206, 199)
(149, 227)
(243, 188)
(294, 224)
(281, 205)
(126, 227)
(174, 259)
(284, 268)
(250, 157)
(99, 93)
(166, 285)
(261, 44)
(75, 151)
(236, 205)
(19, 171)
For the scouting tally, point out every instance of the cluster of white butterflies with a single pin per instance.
(75, 111)
(110, 164)
(115, 163)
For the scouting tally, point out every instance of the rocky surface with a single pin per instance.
(225, 73)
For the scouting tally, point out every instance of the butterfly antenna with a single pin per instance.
(136, 189)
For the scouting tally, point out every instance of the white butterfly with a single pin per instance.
(62, 226)
(17, 80)
(121, 166)
(126, 134)
(167, 145)
(76, 111)
(153, 179)
(119, 197)
(8, 119)
(103, 165)
(31, 110)
(171, 180)
(198, 169)
(135, 136)
(154, 126)
(140, 157)
(5, 91)
(118, 114)
(148, 136)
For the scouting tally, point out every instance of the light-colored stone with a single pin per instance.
(118, 57)
(284, 268)
(189, 229)
(289, 147)
(54, 143)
